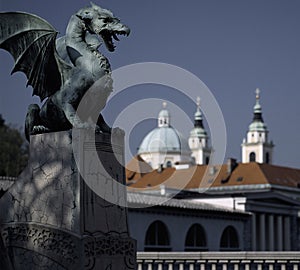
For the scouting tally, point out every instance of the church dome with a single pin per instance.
(164, 139)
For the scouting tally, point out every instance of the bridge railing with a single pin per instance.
(218, 260)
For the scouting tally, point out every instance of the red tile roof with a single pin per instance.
(136, 169)
(200, 176)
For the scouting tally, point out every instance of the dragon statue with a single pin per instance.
(62, 70)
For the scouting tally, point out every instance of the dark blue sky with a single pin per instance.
(233, 46)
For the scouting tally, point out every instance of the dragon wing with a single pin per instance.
(31, 42)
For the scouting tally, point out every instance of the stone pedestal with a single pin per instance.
(67, 209)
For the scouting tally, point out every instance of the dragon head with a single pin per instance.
(103, 23)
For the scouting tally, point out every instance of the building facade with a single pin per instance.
(260, 201)
(183, 225)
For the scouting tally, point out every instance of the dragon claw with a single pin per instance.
(39, 129)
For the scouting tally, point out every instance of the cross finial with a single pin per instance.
(164, 104)
(198, 102)
(257, 91)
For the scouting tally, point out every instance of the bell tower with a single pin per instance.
(198, 140)
(256, 147)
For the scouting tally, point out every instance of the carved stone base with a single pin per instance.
(53, 219)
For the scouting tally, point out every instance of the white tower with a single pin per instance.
(198, 140)
(256, 147)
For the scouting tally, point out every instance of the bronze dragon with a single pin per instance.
(61, 70)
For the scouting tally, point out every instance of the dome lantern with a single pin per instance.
(164, 117)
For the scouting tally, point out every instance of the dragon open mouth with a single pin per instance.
(108, 37)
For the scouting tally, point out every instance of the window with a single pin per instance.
(195, 239)
(239, 179)
(206, 160)
(267, 158)
(229, 240)
(252, 157)
(157, 237)
(193, 160)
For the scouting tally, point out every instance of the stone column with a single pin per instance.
(66, 211)
(253, 232)
(271, 233)
(287, 233)
(279, 233)
(262, 232)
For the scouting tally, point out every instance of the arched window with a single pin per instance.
(195, 239)
(252, 157)
(157, 237)
(229, 240)
(169, 164)
(206, 160)
(267, 158)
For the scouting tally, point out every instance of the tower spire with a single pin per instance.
(198, 103)
(257, 111)
(198, 140)
(256, 147)
(257, 91)
(198, 120)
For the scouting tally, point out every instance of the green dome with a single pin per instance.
(257, 126)
(198, 132)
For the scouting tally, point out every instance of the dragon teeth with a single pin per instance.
(115, 37)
